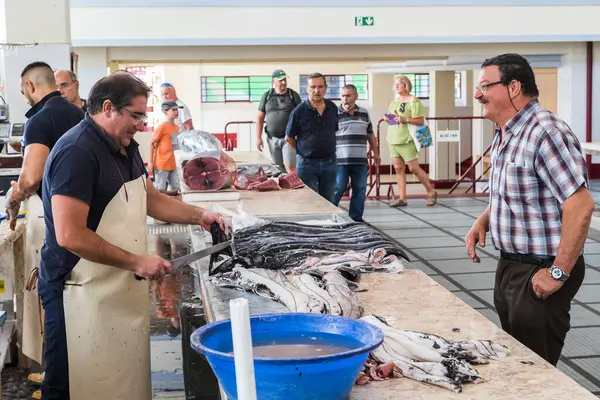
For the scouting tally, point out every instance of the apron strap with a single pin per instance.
(30, 285)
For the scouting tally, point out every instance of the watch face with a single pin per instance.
(556, 273)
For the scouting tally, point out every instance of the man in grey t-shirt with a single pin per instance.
(275, 107)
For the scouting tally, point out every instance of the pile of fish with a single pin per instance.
(329, 293)
(288, 245)
(426, 357)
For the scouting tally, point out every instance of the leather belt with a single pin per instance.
(525, 258)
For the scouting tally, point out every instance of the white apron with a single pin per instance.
(33, 313)
(107, 310)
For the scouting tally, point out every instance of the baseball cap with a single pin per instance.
(167, 105)
(279, 74)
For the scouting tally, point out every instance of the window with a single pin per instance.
(225, 89)
(420, 82)
(335, 83)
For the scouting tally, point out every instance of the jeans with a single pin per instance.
(319, 175)
(56, 380)
(358, 180)
(165, 179)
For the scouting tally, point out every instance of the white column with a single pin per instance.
(45, 22)
(441, 104)
(91, 66)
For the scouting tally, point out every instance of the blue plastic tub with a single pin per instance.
(329, 377)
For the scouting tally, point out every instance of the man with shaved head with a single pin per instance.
(68, 86)
(49, 118)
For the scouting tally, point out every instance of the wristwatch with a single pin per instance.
(558, 274)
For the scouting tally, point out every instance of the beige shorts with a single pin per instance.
(407, 152)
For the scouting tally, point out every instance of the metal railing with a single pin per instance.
(375, 182)
(229, 145)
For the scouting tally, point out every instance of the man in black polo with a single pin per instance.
(94, 269)
(311, 131)
(49, 118)
(275, 106)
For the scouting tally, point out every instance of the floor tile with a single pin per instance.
(485, 295)
(588, 294)
(591, 366)
(415, 233)
(447, 253)
(465, 266)
(476, 281)
(581, 316)
(434, 218)
(445, 283)
(426, 210)
(592, 259)
(470, 300)
(421, 266)
(419, 243)
(465, 222)
(582, 342)
(577, 377)
(374, 219)
(592, 276)
(591, 248)
(595, 306)
(491, 315)
(401, 225)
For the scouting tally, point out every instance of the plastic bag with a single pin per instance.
(199, 142)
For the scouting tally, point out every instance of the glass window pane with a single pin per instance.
(213, 89)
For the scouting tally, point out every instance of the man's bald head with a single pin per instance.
(37, 81)
(68, 86)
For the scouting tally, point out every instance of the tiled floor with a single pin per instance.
(433, 238)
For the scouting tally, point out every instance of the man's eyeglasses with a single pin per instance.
(138, 116)
(64, 85)
(484, 87)
(166, 85)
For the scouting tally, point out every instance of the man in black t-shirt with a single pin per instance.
(275, 107)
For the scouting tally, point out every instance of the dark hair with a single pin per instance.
(34, 65)
(316, 75)
(515, 67)
(351, 86)
(120, 89)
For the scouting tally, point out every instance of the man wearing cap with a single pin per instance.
(275, 107)
(184, 120)
(162, 158)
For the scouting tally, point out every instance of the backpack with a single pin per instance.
(289, 91)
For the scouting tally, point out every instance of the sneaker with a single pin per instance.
(36, 378)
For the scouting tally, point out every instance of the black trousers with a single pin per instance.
(541, 325)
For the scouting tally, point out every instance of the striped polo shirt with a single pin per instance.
(351, 138)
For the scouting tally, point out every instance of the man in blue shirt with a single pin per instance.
(95, 265)
(311, 131)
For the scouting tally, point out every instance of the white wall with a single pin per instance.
(91, 66)
(12, 63)
(331, 25)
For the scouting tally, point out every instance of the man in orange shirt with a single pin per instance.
(162, 156)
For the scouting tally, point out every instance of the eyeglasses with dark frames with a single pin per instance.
(484, 87)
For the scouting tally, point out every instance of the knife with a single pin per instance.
(190, 258)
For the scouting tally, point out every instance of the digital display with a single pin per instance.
(3, 112)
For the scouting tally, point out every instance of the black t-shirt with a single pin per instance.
(48, 120)
(277, 109)
(83, 165)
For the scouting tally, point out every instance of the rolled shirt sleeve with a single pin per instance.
(560, 164)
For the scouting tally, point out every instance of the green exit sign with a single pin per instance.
(364, 21)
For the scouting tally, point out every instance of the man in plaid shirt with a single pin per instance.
(540, 208)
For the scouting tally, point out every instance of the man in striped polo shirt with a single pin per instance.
(540, 208)
(355, 130)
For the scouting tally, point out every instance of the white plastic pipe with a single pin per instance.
(242, 349)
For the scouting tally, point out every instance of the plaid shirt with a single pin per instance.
(537, 167)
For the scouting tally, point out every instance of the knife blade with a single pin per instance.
(190, 258)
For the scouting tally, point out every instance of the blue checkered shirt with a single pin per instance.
(538, 165)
